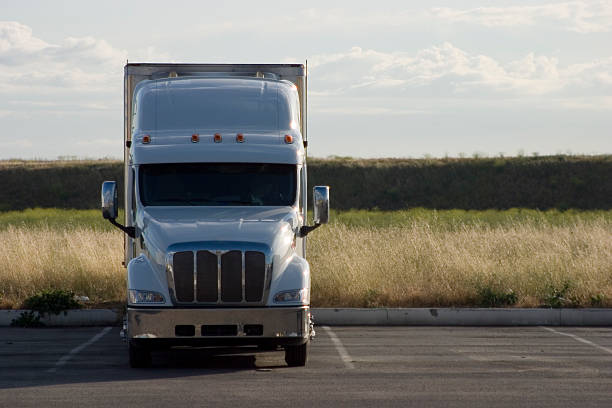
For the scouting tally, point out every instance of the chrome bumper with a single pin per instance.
(291, 323)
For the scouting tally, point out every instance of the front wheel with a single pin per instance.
(296, 356)
(140, 356)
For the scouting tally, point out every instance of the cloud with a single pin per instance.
(30, 64)
(88, 50)
(579, 16)
(446, 70)
(586, 16)
(310, 20)
(76, 64)
(370, 110)
(16, 40)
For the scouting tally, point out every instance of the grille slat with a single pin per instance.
(207, 276)
(231, 276)
(220, 276)
(255, 273)
(183, 276)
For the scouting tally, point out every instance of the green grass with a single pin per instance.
(56, 218)
(452, 219)
(443, 219)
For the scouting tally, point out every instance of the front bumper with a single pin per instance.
(276, 326)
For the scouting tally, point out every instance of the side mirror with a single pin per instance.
(110, 206)
(320, 199)
(109, 200)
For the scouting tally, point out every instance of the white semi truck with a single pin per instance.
(215, 208)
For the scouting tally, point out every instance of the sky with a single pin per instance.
(386, 79)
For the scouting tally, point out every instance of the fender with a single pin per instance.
(141, 275)
(292, 274)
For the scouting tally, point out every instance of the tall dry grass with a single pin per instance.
(420, 264)
(83, 260)
(425, 264)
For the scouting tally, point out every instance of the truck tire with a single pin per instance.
(296, 356)
(140, 356)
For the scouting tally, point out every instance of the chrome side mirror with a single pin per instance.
(110, 207)
(109, 200)
(320, 199)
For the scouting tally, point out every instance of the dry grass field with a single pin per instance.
(420, 262)
(84, 260)
(420, 265)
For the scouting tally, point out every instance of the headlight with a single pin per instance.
(296, 295)
(145, 296)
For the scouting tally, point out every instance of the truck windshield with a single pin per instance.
(217, 184)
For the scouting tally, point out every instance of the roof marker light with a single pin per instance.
(288, 139)
(146, 139)
(195, 138)
(240, 138)
(217, 138)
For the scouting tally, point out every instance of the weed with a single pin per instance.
(489, 297)
(52, 301)
(46, 302)
(598, 300)
(28, 318)
(371, 298)
(560, 297)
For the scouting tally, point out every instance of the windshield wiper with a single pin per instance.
(181, 200)
(204, 201)
(241, 202)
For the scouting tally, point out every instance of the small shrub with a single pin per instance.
(47, 302)
(597, 300)
(371, 298)
(558, 298)
(29, 318)
(52, 301)
(489, 297)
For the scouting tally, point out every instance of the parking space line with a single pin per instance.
(65, 358)
(580, 339)
(346, 359)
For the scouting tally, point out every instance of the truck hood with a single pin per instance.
(162, 227)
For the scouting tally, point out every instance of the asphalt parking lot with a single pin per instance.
(348, 366)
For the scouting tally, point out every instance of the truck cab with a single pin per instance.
(215, 208)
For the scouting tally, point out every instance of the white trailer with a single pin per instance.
(215, 208)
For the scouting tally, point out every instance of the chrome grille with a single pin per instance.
(212, 276)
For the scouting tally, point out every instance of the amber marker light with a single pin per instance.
(217, 138)
(146, 139)
(240, 138)
(195, 138)
(288, 139)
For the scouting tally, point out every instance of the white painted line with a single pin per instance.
(348, 361)
(580, 339)
(65, 358)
